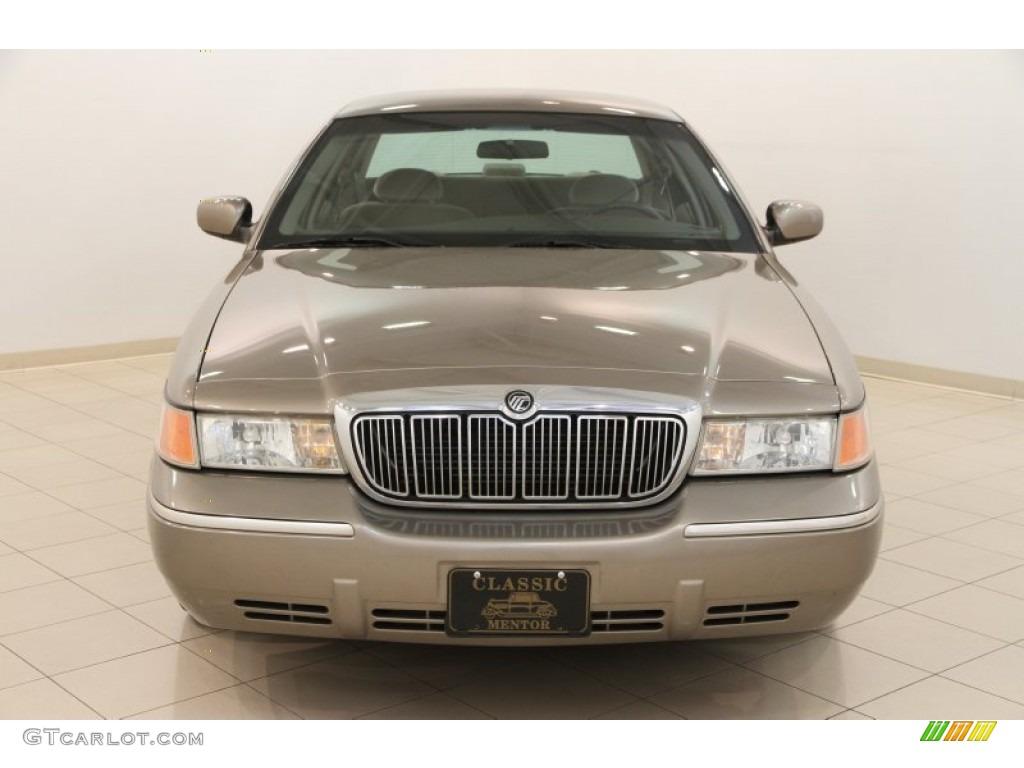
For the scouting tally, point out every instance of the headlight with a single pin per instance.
(268, 443)
(766, 445)
(798, 444)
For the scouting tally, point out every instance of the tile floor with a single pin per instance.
(89, 630)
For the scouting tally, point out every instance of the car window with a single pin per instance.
(456, 152)
(508, 179)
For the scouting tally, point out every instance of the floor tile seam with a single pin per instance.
(915, 666)
(982, 546)
(647, 700)
(745, 665)
(69, 406)
(36, 562)
(930, 473)
(50, 393)
(881, 556)
(64, 512)
(183, 644)
(273, 701)
(72, 670)
(943, 533)
(973, 629)
(851, 709)
(494, 716)
(101, 520)
(62, 463)
(945, 676)
(701, 676)
(134, 532)
(894, 691)
(1018, 564)
(366, 715)
(72, 406)
(889, 609)
(25, 661)
(979, 585)
(91, 456)
(942, 388)
(816, 633)
(917, 497)
(172, 703)
(883, 552)
(77, 698)
(72, 506)
(79, 586)
(66, 369)
(69, 577)
(126, 605)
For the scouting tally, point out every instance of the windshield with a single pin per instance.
(508, 179)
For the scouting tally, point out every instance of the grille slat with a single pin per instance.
(491, 466)
(657, 445)
(559, 458)
(546, 458)
(437, 456)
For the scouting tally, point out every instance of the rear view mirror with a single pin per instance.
(512, 149)
(790, 221)
(227, 217)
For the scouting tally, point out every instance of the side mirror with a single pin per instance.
(227, 217)
(790, 221)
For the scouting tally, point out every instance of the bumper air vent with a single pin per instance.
(298, 613)
(408, 620)
(749, 613)
(627, 621)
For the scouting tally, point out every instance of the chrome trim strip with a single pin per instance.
(489, 397)
(771, 527)
(250, 524)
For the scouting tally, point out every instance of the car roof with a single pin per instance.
(503, 100)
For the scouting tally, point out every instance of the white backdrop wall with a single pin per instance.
(915, 156)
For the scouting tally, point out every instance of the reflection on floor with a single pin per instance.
(89, 630)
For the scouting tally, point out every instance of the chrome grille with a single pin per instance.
(437, 456)
(380, 445)
(600, 456)
(657, 443)
(484, 457)
(546, 458)
(491, 468)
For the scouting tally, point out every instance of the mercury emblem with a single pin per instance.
(519, 401)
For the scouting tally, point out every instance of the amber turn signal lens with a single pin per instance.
(854, 440)
(177, 442)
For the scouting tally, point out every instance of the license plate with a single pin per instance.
(482, 601)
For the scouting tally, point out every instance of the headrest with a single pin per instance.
(601, 189)
(504, 169)
(408, 185)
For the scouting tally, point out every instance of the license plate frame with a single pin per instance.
(518, 602)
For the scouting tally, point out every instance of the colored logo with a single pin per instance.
(958, 730)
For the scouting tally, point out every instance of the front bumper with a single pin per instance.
(313, 556)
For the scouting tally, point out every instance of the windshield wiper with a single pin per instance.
(563, 242)
(354, 241)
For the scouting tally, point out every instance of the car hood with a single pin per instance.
(301, 329)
